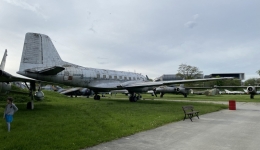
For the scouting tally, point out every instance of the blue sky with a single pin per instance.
(145, 36)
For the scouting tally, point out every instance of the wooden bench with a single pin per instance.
(189, 112)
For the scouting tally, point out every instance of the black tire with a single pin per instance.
(131, 99)
(29, 105)
(135, 99)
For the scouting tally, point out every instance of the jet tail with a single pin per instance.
(38, 53)
(2, 66)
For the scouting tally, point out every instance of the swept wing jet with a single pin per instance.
(41, 61)
(5, 87)
(6, 78)
(252, 90)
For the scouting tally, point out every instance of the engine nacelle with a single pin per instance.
(251, 90)
(165, 89)
(181, 90)
(39, 95)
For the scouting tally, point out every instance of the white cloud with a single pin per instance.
(24, 5)
(190, 24)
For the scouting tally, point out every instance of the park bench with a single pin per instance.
(189, 112)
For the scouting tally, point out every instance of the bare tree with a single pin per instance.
(188, 72)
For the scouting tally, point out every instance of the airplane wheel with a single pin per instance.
(96, 97)
(252, 96)
(135, 99)
(29, 105)
(161, 95)
(131, 99)
(185, 95)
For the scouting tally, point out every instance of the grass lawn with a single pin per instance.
(61, 122)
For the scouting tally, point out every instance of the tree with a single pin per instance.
(258, 72)
(188, 72)
(252, 81)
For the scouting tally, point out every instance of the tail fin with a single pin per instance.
(2, 66)
(38, 52)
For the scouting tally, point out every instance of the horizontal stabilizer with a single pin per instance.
(48, 71)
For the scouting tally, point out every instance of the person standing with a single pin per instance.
(10, 109)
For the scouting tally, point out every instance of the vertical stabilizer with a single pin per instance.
(2, 66)
(38, 52)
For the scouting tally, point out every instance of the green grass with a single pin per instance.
(61, 122)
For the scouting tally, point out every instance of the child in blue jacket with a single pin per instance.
(10, 109)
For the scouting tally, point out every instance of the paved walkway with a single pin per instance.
(223, 130)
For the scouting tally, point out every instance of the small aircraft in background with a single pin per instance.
(234, 92)
(252, 90)
(169, 89)
(208, 92)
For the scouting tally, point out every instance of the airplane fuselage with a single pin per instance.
(74, 75)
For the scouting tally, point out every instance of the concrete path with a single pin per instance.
(223, 130)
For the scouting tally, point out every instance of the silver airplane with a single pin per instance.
(252, 90)
(41, 61)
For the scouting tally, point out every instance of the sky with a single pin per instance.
(150, 37)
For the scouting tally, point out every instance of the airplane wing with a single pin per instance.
(147, 84)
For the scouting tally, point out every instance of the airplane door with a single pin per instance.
(67, 76)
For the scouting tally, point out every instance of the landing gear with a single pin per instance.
(32, 88)
(134, 98)
(252, 96)
(185, 95)
(96, 97)
(161, 95)
(30, 105)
